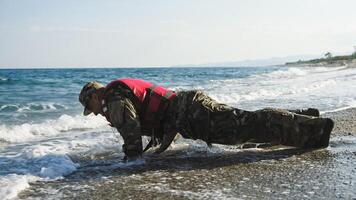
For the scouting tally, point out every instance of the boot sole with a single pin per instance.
(325, 138)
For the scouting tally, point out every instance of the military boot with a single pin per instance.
(310, 112)
(311, 133)
(320, 133)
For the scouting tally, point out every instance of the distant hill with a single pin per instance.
(252, 63)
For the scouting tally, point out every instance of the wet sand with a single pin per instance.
(224, 172)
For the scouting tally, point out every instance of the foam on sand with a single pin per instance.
(350, 104)
(50, 158)
(25, 171)
(43, 151)
(12, 184)
(30, 166)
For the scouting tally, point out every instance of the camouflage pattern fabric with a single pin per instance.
(125, 118)
(197, 116)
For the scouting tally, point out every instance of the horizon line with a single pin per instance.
(141, 67)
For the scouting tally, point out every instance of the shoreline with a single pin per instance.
(344, 63)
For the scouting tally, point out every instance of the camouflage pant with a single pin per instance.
(197, 116)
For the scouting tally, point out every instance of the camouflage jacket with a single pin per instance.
(125, 118)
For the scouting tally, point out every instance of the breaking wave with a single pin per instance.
(285, 73)
(3, 79)
(327, 69)
(32, 107)
(65, 123)
(268, 93)
(349, 104)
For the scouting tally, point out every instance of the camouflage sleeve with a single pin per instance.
(124, 117)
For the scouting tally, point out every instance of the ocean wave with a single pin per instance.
(314, 86)
(298, 71)
(327, 69)
(232, 96)
(32, 107)
(284, 73)
(12, 184)
(54, 157)
(349, 104)
(227, 82)
(259, 80)
(184, 88)
(65, 123)
(3, 79)
(25, 171)
(52, 150)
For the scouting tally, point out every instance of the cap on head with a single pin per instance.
(85, 94)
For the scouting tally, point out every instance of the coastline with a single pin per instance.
(342, 63)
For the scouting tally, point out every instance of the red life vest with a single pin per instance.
(152, 100)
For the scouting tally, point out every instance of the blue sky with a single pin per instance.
(137, 33)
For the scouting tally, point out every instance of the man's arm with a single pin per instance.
(125, 118)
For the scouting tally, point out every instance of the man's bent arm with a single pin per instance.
(124, 117)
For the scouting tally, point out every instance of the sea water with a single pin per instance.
(42, 128)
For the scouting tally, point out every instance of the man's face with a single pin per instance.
(94, 104)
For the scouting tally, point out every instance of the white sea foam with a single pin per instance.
(26, 170)
(65, 123)
(296, 89)
(197, 147)
(187, 87)
(285, 73)
(327, 69)
(9, 106)
(137, 162)
(12, 184)
(349, 104)
(248, 94)
(29, 166)
(325, 88)
(293, 72)
(33, 107)
(294, 83)
(261, 93)
(3, 79)
(49, 157)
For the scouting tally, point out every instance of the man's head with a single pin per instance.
(89, 98)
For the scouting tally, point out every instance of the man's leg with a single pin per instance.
(213, 122)
(279, 126)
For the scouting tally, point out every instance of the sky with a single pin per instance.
(149, 33)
